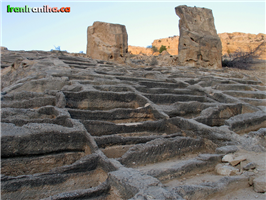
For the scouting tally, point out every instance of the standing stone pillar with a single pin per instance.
(199, 43)
(107, 41)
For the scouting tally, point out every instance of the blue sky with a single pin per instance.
(144, 21)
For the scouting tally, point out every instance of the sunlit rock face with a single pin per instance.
(199, 44)
(107, 41)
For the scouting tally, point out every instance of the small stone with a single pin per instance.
(226, 170)
(259, 184)
(228, 158)
(250, 165)
(147, 104)
(237, 160)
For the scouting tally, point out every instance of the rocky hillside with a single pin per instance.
(73, 127)
(230, 43)
(139, 50)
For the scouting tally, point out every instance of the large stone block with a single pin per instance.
(107, 41)
(199, 44)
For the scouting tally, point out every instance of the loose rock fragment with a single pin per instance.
(237, 160)
(228, 158)
(250, 165)
(226, 170)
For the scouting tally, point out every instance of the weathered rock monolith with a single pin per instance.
(107, 41)
(199, 44)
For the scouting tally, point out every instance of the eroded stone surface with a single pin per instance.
(199, 44)
(106, 41)
(101, 119)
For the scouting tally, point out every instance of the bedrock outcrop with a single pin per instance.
(73, 127)
(106, 41)
(199, 44)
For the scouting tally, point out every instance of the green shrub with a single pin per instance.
(162, 48)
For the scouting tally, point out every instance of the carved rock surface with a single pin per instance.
(73, 127)
(107, 41)
(199, 44)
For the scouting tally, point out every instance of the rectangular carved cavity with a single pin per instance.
(116, 151)
(47, 114)
(189, 165)
(99, 128)
(168, 91)
(247, 94)
(26, 100)
(35, 139)
(188, 109)
(83, 174)
(244, 123)
(119, 115)
(169, 99)
(113, 88)
(216, 116)
(93, 100)
(159, 150)
(37, 164)
(151, 84)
